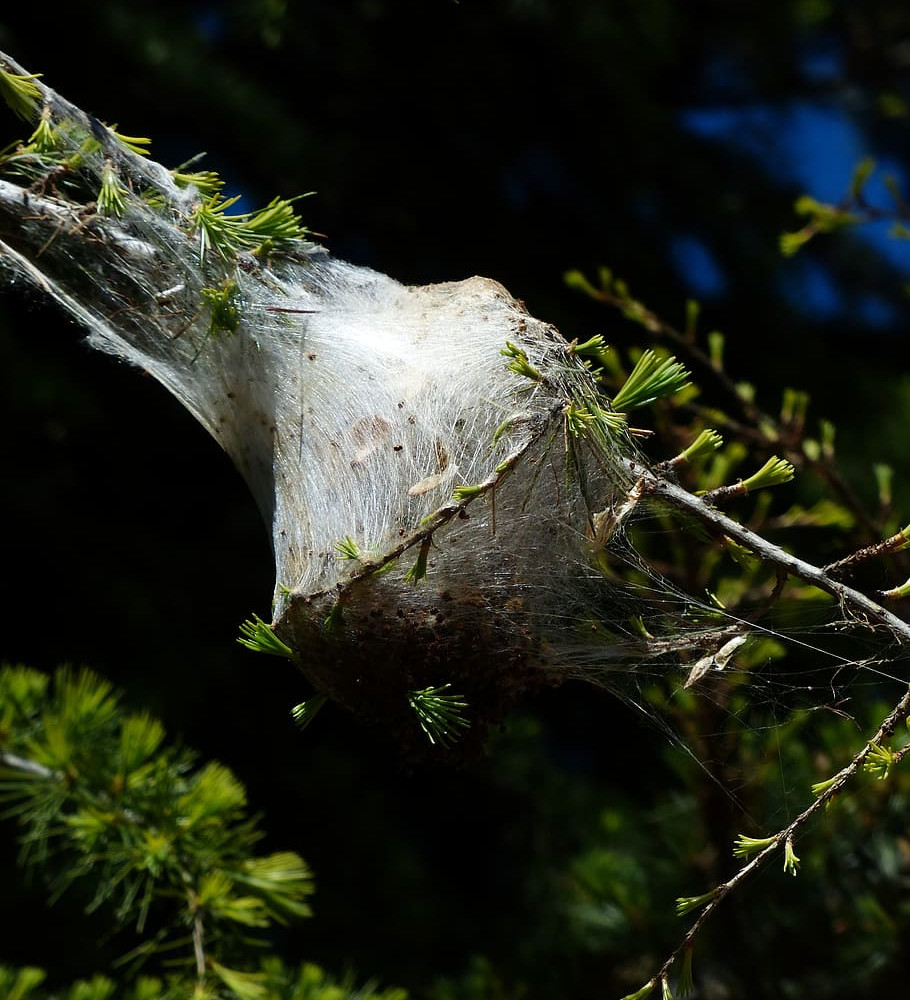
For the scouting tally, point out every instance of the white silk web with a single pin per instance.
(435, 515)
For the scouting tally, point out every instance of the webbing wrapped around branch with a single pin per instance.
(438, 467)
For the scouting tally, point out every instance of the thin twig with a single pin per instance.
(198, 947)
(18, 763)
(770, 553)
(883, 548)
(444, 514)
(898, 714)
(847, 597)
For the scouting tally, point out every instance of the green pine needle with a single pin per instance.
(884, 477)
(20, 690)
(276, 222)
(643, 992)
(774, 472)
(576, 280)
(304, 713)
(112, 196)
(136, 822)
(578, 419)
(334, 620)
(206, 182)
(215, 792)
(462, 493)
(260, 637)
(651, 379)
(46, 139)
(140, 737)
(586, 418)
(686, 904)
(134, 143)
(348, 549)
(705, 444)
(228, 235)
(685, 985)
(419, 570)
(791, 243)
(820, 787)
(282, 879)
(791, 861)
(716, 344)
(861, 173)
(596, 348)
(505, 427)
(519, 363)
(222, 304)
(879, 761)
(19, 983)
(20, 93)
(217, 230)
(898, 592)
(243, 985)
(745, 846)
(440, 715)
(793, 407)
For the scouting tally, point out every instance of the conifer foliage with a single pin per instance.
(164, 843)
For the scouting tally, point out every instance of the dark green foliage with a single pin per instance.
(274, 981)
(167, 845)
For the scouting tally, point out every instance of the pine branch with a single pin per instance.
(771, 554)
(99, 791)
(745, 421)
(88, 191)
(895, 543)
(711, 900)
(847, 597)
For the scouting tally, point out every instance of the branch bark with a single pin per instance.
(774, 555)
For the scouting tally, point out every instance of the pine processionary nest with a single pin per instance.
(436, 516)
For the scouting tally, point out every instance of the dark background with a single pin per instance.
(511, 138)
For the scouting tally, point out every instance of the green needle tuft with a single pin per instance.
(440, 715)
(21, 93)
(255, 634)
(652, 378)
